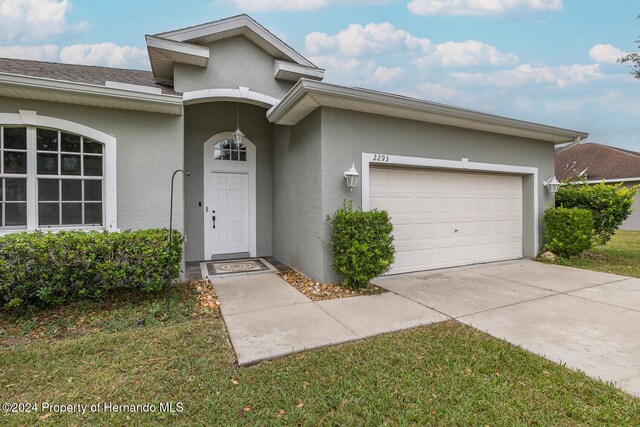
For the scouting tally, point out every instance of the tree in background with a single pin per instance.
(634, 60)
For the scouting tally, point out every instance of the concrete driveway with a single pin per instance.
(587, 320)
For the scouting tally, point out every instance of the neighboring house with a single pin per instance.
(597, 162)
(93, 147)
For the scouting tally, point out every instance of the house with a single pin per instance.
(93, 147)
(596, 163)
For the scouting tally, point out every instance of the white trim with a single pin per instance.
(221, 166)
(463, 164)
(241, 94)
(32, 119)
(231, 24)
(199, 53)
(307, 95)
(88, 94)
(133, 88)
(285, 70)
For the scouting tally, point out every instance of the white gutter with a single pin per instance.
(610, 181)
(44, 89)
(432, 112)
(569, 145)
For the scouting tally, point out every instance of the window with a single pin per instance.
(66, 175)
(227, 149)
(69, 179)
(13, 177)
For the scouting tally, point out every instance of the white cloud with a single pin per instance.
(606, 53)
(480, 7)
(265, 5)
(357, 40)
(440, 92)
(30, 20)
(382, 76)
(262, 5)
(47, 52)
(527, 75)
(464, 54)
(106, 54)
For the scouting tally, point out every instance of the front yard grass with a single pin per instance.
(621, 255)
(445, 374)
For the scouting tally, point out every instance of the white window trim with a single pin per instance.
(31, 120)
(462, 164)
(210, 166)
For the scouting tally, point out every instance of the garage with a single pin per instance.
(449, 218)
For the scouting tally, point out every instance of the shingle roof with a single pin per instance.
(80, 73)
(600, 162)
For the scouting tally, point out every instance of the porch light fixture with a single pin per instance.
(238, 135)
(552, 184)
(351, 175)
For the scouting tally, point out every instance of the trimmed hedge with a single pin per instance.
(610, 205)
(45, 269)
(568, 232)
(362, 244)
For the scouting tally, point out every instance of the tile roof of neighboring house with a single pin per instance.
(600, 162)
(80, 73)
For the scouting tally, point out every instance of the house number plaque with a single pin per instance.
(381, 158)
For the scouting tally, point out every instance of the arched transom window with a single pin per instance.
(227, 149)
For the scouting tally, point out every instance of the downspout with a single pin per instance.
(575, 142)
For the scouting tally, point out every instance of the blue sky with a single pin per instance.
(549, 61)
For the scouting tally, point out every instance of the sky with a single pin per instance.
(546, 61)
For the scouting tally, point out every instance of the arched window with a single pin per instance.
(227, 149)
(66, 177)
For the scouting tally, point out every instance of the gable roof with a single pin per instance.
(600, 161)
(187, 45)
(307, 95)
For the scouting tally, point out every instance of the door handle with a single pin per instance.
(214, 221)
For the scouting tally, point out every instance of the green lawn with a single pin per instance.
(620, 256)
(445, 374)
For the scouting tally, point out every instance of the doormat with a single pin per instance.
(236, 266)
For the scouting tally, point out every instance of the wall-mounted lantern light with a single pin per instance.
(552, 184)
(351, 175)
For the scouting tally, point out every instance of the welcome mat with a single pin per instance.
(235, 266)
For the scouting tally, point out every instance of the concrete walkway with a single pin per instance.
(585, 319)
(267, 318)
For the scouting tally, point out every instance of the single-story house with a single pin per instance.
(596, 163)
(93, 147)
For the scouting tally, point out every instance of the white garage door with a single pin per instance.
(447, 219)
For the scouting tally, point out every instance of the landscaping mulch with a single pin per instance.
(317, 291)
(207, 300)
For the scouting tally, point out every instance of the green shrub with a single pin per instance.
(609, 204)
(362, 244)
(568, 232)
(45, 269)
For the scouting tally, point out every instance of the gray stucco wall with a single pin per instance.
(633, 222)
(297, 196)
(149, 149)
(345, 135)
(202, 121)
(233, 62)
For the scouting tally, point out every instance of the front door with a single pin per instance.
(230, 213)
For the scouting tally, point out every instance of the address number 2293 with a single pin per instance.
(380, 158)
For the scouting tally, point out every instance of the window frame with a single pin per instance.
(31, 120)
(5, 175)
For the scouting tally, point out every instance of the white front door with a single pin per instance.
(230, 213)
